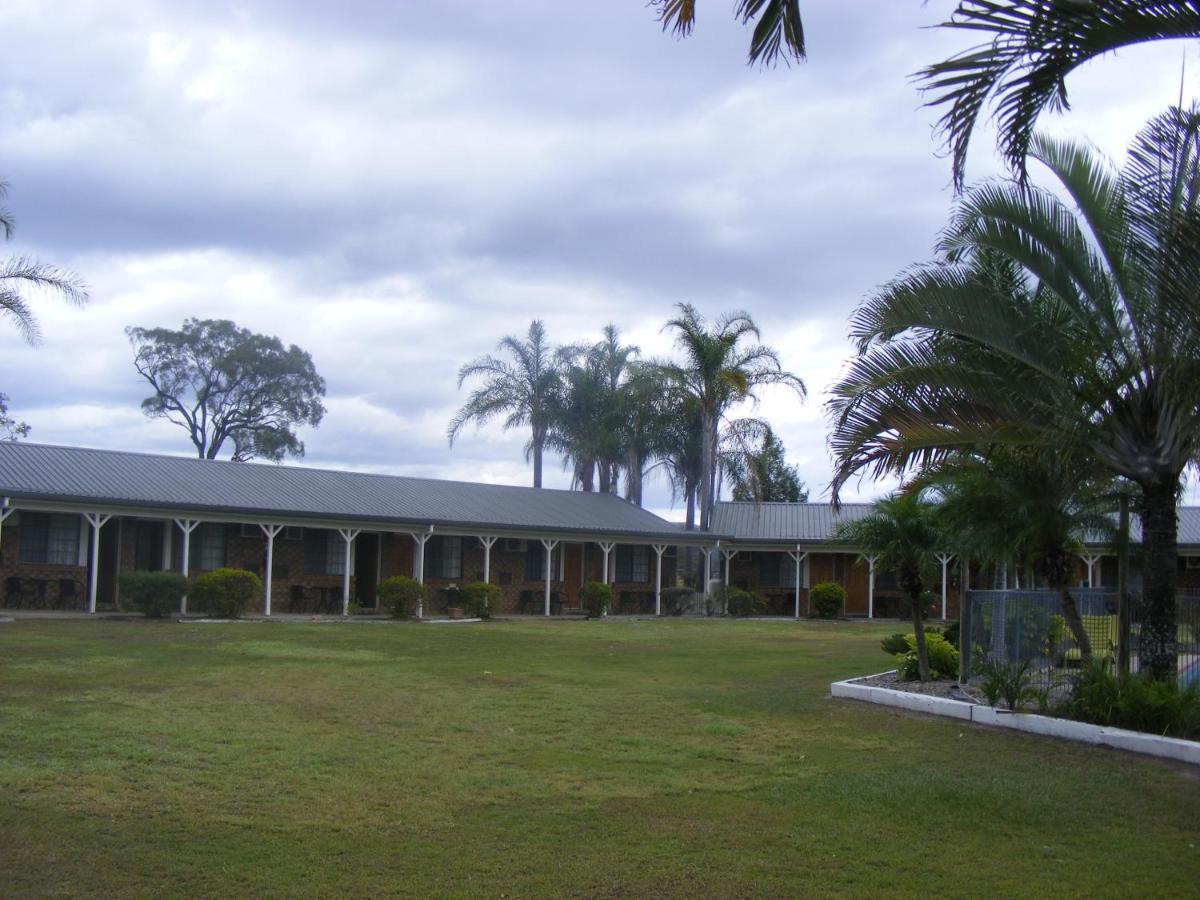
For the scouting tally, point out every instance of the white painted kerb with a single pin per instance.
(1100, 735)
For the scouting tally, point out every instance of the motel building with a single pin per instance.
(73, 519)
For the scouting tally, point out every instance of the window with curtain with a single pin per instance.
(443, 557)
(206, 549)
(324, 552)
(633, 564)
(49, 538)
(535, 562)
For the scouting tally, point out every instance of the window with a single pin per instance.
(443, 557)
(49, 538)
(535, 562)
(206, 549)
(324, 552)
(633, 564)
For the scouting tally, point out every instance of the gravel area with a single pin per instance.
(951, 690)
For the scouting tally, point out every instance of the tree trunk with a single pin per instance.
(633, 477)
(706, 466)
(584, 473)
(690, 489)
(538, 441)
(1075, 622)
(1158, 644)
(919, 635)
(605, 476)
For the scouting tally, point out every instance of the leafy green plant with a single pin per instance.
(943, 658)
(479, 599)
(1134, 701)
(827, 599)
(950, 632)
(154, 593)
(399, 595)
(894, 643)
(1010, 683)
(676, 600)
(596, 597)
(226, 593)
(741, 602)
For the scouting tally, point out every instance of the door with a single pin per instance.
(366, 569)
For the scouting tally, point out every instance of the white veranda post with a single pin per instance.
(5, 512)
(798, 558)
(96, 520)
(1090, 560)
(187, 526)
(606, 546)
(420, 538)
(659, 550)
(549, 546)
(487, 541)
(270, 531)
(871, 586)
(348, 535)
(708, 552)
(728, 556)
(944, 559)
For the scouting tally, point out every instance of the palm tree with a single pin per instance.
(523, 390)
(1096, 355)
(20, 274)
(1031, 48)
(778, 31)
(902, 533)
(1032, 508)
(718, 371)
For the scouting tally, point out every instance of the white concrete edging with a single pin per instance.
(1100, 735)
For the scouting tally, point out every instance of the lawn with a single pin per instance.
(536, 759)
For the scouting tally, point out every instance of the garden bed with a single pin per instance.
(877, 689)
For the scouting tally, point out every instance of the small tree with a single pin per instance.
(764, 474)
(226, 593)
(901, 533)
(400, 595)
(224, 384)
(597, 598)
(154, 593)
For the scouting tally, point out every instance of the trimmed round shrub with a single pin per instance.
(894, 643)
(399, 595)
(741, 602)
(156, 594)
(225, 593)
(943, 658)
(676, 600)
(827, 599)
(479, 599)
(596, 597)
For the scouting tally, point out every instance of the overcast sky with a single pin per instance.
(394, 186)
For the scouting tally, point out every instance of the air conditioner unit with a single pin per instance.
(514, 545)
(1193, 562)
(293, 533)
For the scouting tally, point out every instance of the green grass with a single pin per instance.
(538, 759)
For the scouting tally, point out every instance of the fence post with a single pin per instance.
(964, 622)
(1124, 628)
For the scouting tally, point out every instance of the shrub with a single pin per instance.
(225, 593)
(677, 600)
(950, 633)
(596, 597)
(1010, 683)
(894, 643)
(943, 658)
(827, 599)
(740, 602)
(156, 594)
(1134, 701)
(399, 595)
(479, 599)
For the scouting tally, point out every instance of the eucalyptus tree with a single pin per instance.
(902, 533)
(523, 389)
(1029, 48)
(1029, 507)
(1098, 357)
(718, 371)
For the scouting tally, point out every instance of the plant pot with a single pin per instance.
(454, 612)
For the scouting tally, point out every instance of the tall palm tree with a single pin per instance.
(19, 274)
(778, 29)
(718, 371)
(522, 388)
(1029, 507)
(1030, 48)
(902, 533)
(1098, 356)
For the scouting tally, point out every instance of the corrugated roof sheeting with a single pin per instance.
(782, 522)
(144, 480)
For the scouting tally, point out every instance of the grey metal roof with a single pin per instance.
(782, 523)
(106, 477)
